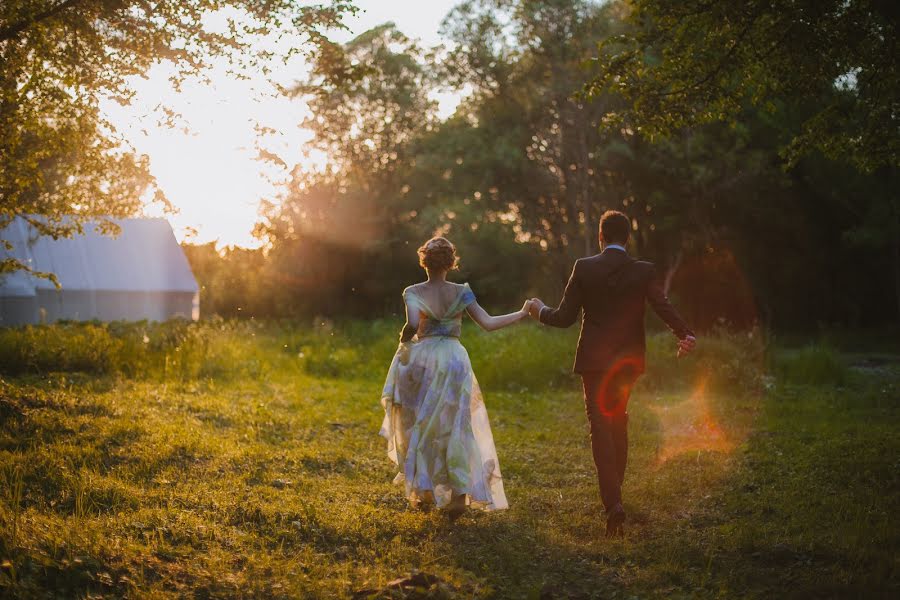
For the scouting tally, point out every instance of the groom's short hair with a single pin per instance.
(615, 227)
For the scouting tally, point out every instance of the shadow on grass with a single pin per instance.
(804, 508)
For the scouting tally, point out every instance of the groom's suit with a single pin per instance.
(613, 290)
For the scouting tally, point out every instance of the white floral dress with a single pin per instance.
(435, 420)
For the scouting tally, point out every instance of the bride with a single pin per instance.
(435, 421)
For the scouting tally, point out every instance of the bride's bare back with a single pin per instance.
(439, 297)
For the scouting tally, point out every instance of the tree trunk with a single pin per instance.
(671, 270)
(567, 177)
(586, 200)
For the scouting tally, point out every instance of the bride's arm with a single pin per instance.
(489, 323)
(411, 325)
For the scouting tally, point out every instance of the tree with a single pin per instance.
(233, 282)
(61, 163)
(684, 64)
(523, 61)
(335, 227)
(694, 61)
(518, 176)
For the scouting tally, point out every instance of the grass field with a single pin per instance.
(226, 460)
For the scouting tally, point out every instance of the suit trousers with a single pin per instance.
(606, 397)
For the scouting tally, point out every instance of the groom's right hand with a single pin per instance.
(535, 311)
(686, 344)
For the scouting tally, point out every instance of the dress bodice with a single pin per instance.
(449, 323)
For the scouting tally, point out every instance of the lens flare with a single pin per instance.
(690, 426)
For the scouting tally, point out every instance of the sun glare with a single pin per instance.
(209, 162)
(690, 426)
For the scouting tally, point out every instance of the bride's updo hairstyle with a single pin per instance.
(438, 254)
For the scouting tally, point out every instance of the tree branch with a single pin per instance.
(715, 72)
(11, 31)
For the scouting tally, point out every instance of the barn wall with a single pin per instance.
(82, 305)
(18, 310)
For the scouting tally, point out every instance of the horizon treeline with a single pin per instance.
(519, 175)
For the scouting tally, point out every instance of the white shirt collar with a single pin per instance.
(616, 246)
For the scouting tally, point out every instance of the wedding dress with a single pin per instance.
(435, 420)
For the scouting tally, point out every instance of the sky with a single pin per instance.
(208, 165)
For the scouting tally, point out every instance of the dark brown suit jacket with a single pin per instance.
(613, 290)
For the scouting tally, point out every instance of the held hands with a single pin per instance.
(526, 309)
(532, 308)
(686, 345)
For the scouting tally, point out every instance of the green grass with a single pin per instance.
(812, 364)
(241, 460)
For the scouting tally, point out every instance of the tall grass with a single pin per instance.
(737, 359)
(12, 495)
(814, 364)
(176, 349)
(526, 356)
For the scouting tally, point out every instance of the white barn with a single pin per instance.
(140, 274)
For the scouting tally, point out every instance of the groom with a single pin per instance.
(613, 289)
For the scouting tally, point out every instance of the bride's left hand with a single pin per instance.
(526, 308)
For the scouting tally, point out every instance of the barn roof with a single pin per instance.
(145, 256)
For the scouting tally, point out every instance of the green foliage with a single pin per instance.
(356, 349)
(333, 229)
(508, 176)
(236, 282)
(808, 80)
(695, 62)
(520, 174)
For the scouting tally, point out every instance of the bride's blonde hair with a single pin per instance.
(438, 254)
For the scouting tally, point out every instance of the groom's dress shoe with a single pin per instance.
(614, 522)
